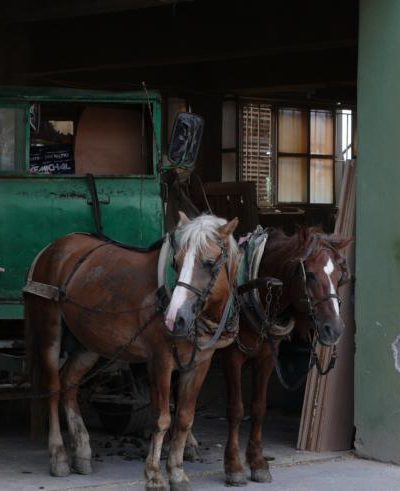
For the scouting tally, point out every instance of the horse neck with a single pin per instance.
(279, 253)
(280, 261)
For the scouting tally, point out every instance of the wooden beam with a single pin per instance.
(27, 11)
(196, 58)
(311, 69)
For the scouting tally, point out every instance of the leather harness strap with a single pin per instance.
(42, 290)
(193, 289)
(52, 292)
(95, 204)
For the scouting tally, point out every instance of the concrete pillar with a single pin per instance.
(377, 397)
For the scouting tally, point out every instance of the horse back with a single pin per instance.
(81, 263)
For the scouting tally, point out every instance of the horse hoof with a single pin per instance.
(82, 466)
(261, 475)
(156, 483)
(156, 486)
(180, 486)
(235, 479)
(60, 469)
(191, 454)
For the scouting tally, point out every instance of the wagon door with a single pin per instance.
(47, 148)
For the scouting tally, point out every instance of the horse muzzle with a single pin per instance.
(330, 331)
(182, 324)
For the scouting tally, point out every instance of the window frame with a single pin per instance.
(25, 137)
(234, 150)
(306, 155)
(27, 100)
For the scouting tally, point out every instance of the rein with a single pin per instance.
(314, 359)
(313, 362)
(100, 369)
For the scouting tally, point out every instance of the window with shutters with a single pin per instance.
(294, 155)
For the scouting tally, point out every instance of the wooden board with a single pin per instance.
(109, 140)
(327, 416)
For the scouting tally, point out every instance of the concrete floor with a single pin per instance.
(345, 474)
(118, 465)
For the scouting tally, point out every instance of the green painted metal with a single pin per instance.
(11, 311)
(35, 210)
(377, 397)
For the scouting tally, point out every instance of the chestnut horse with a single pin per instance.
(106, 295)
(311, 268)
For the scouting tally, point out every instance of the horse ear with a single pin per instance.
(339, 242)
(183, 218)
(303, 235)
(229, 228)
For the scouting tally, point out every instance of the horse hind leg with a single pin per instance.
(43, 335)
(75, 368)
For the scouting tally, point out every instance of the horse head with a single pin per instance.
(322, 270)
(205, 258)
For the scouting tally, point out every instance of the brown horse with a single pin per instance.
(106, 295)
(311, 268)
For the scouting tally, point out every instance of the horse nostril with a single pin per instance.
(329, 331)
(179, 323)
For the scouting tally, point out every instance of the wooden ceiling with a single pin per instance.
(259, 48)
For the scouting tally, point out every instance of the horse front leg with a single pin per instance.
(233, 361)
(160, 382)
(262, 368)
(190, 383)
(76, 367)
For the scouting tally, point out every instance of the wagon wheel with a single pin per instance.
(121, 398)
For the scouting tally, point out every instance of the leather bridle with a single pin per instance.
(310, 301)
(230, 314)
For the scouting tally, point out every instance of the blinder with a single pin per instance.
(346, 275)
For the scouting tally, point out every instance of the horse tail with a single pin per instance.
(35, 373)
(34, 313)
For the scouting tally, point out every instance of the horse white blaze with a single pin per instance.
(180, 293)
(328, 269)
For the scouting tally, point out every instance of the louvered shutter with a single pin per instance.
(256, 150)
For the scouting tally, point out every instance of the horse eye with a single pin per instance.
(208, 263)
(311, 276)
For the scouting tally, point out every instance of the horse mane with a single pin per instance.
(303, 244)
(203, 229)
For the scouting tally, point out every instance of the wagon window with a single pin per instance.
(90, 138)
(12, 139)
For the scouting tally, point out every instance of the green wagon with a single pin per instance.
(64, 154)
